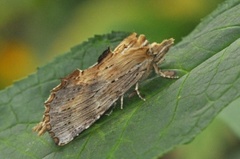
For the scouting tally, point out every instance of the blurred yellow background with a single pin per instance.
(33, 32)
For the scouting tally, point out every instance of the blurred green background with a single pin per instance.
(33, 32)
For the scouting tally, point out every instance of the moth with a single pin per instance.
(84, 95)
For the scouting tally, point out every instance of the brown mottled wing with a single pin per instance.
(72, 108)
(83, 96)
(75, 107)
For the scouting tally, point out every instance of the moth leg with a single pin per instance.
(121, 102)
(110, 111)
(138, 93)
(165, 74)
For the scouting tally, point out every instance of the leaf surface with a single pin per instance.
(207, 62)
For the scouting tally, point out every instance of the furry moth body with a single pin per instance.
(83, 96)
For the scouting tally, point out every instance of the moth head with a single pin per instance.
(159, 50)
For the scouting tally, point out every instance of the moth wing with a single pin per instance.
(132, 41)
(72, 108)
(83, 96)
(76, 107)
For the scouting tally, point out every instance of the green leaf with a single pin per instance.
(207, 62)
(231, 117)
